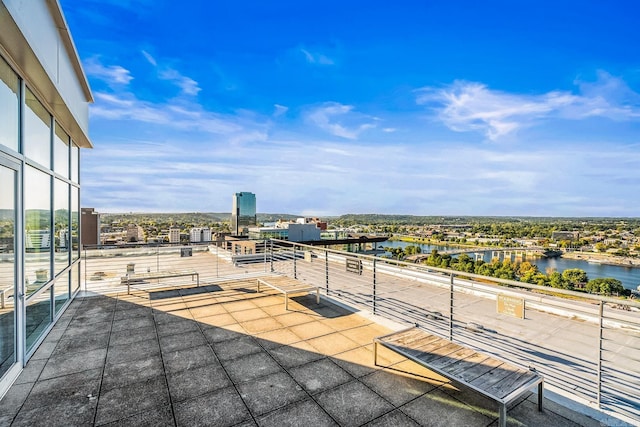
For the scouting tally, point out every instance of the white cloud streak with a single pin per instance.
(470, 106)
(112, 74)
(339, 120)
(316, 57)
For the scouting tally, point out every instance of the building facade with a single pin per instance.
(89, 227)
(243, 213)
(174, 235)
(44, 103)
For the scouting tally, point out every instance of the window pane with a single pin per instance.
(61, 292)
(38, 317)
(75, 277)
(75, 218)
(75, 163)
(9, 104)
(37, 135)
(37, 205)
(61, 224)
(61, 152)
(7, 269)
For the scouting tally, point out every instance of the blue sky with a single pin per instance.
(324, 108)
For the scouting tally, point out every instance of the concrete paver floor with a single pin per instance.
(224, 355)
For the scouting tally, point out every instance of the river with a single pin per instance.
(629, 276)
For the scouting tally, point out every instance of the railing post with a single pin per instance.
(271, 254)
(295, 271)
(326, 270)
(374, 286)
(601, 316)
(451, 309)
(85, 270)
(264, 249)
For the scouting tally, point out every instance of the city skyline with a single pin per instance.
(468, 109)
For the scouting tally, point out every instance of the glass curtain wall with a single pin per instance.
(7, 269)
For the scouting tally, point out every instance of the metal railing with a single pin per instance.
(586, 346)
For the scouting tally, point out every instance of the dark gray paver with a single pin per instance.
(270, 392)
(32, 371)
(132, 311)
(397, 389)
(121, 374)
(69, 414)
(85, 329)
(15, 397)
(133, 351)
(393, 419)
(64, 364)
(133, 336)
(250, 367)
(353, 404)
(289, 356)
(82, 343)
(122, 402)
(237, 347)
(304, 413)
(171, 343)
(216, 334)
(73, 388)
(133, 323)
(196, 381)
(436, 408)
(320, 375)
(222, 408)
(189, 358)
(178, 327)
(156, 417)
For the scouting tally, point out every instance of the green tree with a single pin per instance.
(557, 281)
(605, 286)
(575, 278)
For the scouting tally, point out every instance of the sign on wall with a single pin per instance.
(354, 266)
(185, 252)
(511, 306)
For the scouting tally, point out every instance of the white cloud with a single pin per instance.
(339, 120)
(279, 110)
(149, 58)
(316, 57)
(470, 106)
(112, 74)
(187, 85)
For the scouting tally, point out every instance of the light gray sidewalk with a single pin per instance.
(225, 355)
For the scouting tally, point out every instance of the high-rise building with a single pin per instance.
(89, 227)
(174, 235)
(243, 214)
(44, 121)
(195, 235)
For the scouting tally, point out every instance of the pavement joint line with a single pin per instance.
(104, 363)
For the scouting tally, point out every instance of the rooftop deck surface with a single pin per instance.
(224, 355)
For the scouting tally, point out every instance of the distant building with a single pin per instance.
(322, 225)
(89, 227)
(174, 235)
(135, 233)
(37, 240)
(243, 214)
(565, 235)
(303, 232)
(198, 234)
(195, 235)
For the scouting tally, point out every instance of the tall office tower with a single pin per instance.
(44, 122)
(243, 214)
(89, 227)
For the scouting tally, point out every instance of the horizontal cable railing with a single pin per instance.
(586, 346)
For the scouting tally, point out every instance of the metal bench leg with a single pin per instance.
(540, 388)
(2, 299)
(375, 353)
(258, 282)
(286, 301)
(317, 295)
(502, 422)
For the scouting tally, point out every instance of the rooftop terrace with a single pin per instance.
(223, 354)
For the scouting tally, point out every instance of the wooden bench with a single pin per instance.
(489, 376)
(288, 286)
(3, 295)
(138, 277)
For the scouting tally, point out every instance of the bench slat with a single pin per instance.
(459, 366)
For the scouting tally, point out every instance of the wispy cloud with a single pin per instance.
(187, 85)
(110, 74)
(316, 57)
(339, 120)
(279, 110)
(149, 58)
(471, 106)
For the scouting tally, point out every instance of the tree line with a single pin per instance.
(573, 279)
